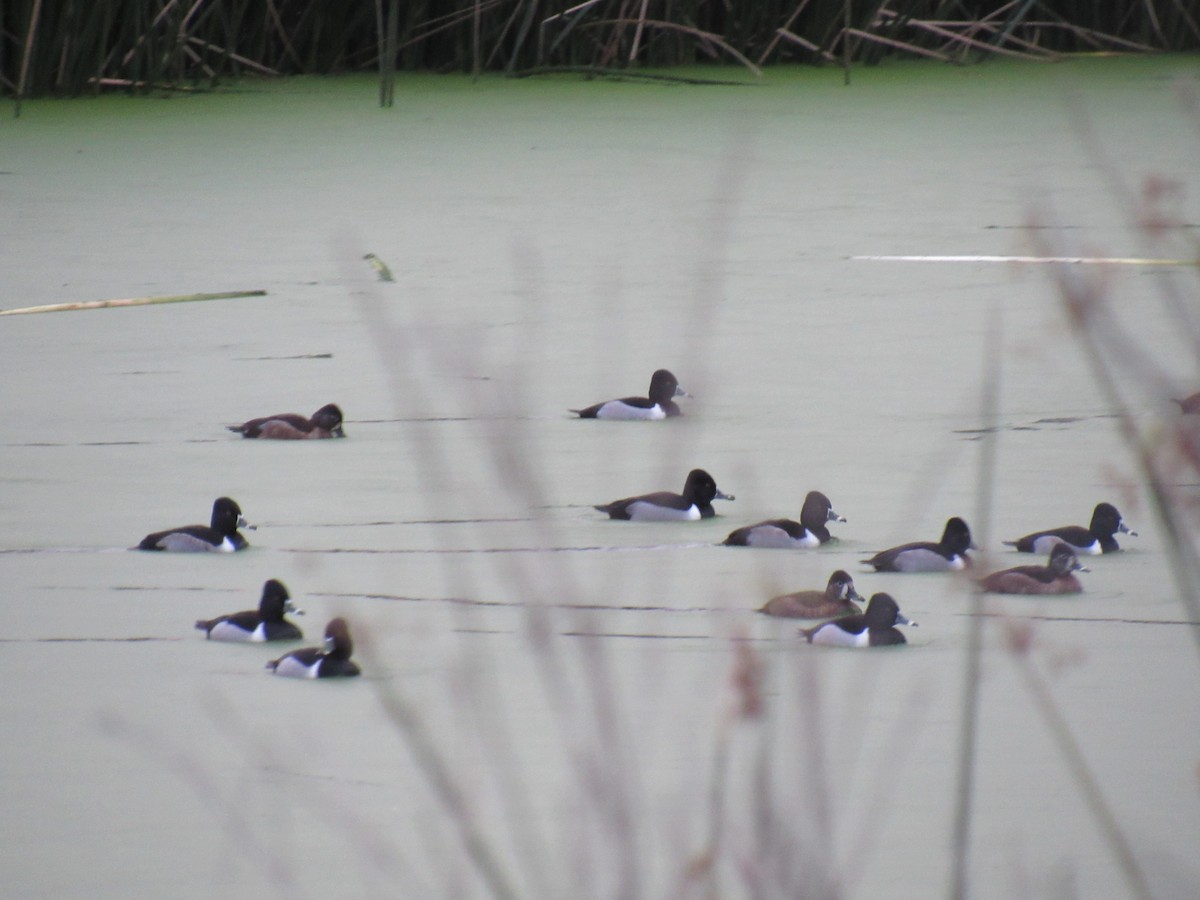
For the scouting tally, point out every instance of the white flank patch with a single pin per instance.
(290, 667)
(641, 511)
(777, 538)
(1046, 543)
(227, 631)
(615, 409)
(832, 636)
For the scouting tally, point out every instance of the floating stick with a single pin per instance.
(129, 301)
(1072, 260)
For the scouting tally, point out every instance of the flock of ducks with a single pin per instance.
(846, 623)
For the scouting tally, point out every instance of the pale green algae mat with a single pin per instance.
(553, 704)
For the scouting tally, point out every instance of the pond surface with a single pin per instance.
(579, 707)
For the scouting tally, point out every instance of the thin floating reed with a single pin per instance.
(130, 301)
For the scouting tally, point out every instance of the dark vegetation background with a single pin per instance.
(69, 47)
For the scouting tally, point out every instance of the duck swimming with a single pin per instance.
(1099, 537)
(1056, 577)
(694, 503)
(326, 422)
(948, 554)
(221, 535)
(659, 404)
(810, 531)
(836, 600)
(874, 628)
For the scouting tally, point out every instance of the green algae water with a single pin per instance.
(581, 683)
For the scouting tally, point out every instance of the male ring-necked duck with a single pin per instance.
(331, 660)
(810, 531)
(925, 556)
(663, 506)
(836, 600)
(1097, 538)
(874, 628)
(659, 405)
(221, 535)
(1056, 577)
(267, 623)
(326, 422)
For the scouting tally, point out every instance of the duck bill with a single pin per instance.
(902, 619)
(292, 608)
(1125, 529)
(680, 392)
(834, 517)
(721, 495)
(242, 523)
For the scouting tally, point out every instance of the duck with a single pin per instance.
(658, 405)
(874, 628)
(810, 531)
(326, 422)
(331, 660)
(1099, 537)
(950, 553)
(693, 504)
(221, 535)
(1056, 577)
(267, 623)
(836, 600)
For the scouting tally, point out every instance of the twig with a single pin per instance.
(34, 16)
(899, 45)
(806, 44)
(248, 63)
(950, 35)
(130, 301)
(605, 72)
(783, 31)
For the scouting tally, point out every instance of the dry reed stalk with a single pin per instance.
(900, 45)
(969, 722)
(130, 301)
(687, 29)
(34, 17)
(784, 31)
(245, 61)
(971, 42)
(807, 45)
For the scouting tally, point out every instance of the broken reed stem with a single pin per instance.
(969, 724)
(34, 16)
(1078, 767)
(130, 301)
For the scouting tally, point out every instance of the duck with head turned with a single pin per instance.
(331, 660)
(836, 600)
(948, 554)
(326, 422)
(787, 534)
(659, 405)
